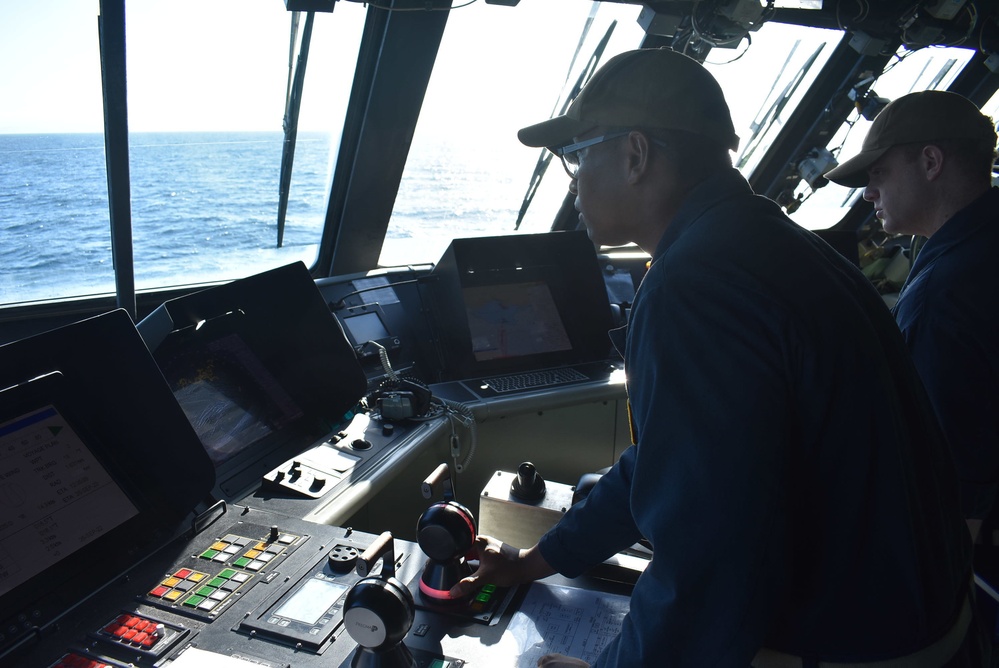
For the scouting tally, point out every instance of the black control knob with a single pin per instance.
(445, 532)
(378, 611)
(528, 485)
(342, 558)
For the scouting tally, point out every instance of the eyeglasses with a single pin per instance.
(570, 154)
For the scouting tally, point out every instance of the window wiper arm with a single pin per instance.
(763, 124)
(546, 156)
(293, 102)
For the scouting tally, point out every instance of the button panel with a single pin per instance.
(223, 570)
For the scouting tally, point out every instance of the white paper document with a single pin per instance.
(563, 620)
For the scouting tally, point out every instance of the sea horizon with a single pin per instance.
(204, 207)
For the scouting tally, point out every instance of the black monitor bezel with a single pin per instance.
(287, 324)
(98, 374)
(564, 261)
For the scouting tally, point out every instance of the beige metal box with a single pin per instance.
(520, 523)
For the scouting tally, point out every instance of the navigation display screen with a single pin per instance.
(513, 320)
(516, 303)
(312, 601)
(55, 496)
(260, 367)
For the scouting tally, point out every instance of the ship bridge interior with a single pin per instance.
(255, 254)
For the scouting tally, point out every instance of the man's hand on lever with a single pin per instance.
(505, 566)
(502, 565)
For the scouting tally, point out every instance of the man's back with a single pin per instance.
(781, 408)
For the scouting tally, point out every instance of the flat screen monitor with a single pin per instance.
(519, 303)
(260, 367)
(56, 495)
(230, 397)
(98, 464)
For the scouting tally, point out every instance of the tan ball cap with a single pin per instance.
(924, 116)
(645, 88)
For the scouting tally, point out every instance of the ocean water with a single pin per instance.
(204, 207)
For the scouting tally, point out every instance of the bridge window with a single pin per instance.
(764, 79)
(498, 69)
(53, 188)
(206, 99)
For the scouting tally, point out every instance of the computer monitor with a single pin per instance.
(260, 367)
(520, 303)
(57, 484)
(514, 320)
(99, 465)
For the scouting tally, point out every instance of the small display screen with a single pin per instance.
(514, 320)
(55, 496)
(366, 327)
(311, 601)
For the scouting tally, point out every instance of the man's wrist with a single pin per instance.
(534, 564)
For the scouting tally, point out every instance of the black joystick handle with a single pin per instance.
(446, 532)
(528, 485)
(378, 611)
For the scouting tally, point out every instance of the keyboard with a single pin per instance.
(533, 380)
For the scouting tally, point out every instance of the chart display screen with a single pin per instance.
(513, 320)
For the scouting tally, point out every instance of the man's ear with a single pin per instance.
(639, 151)
(931, 158)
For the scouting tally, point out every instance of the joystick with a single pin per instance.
(378, 611)
(528, 485)
(445, 533)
